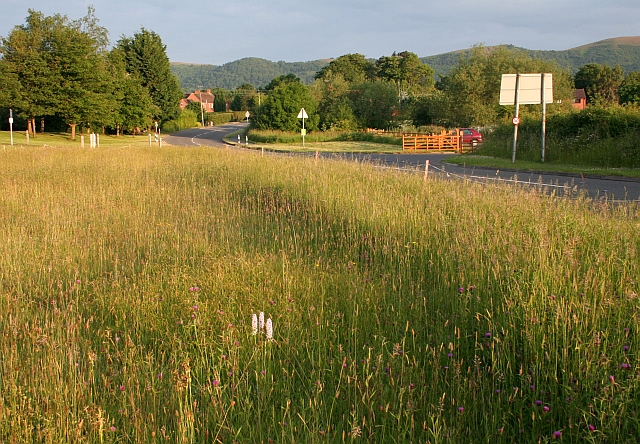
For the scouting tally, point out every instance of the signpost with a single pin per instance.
(11, 125)
(303, 115)
(247, 114)
(527, 89)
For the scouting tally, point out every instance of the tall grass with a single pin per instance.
(274, 136)
(403, 311)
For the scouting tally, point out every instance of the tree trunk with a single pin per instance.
(117, 130)
(42, 125)
(73, 131)
(33, 126)
(29, 125)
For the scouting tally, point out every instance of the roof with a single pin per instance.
(579, 94)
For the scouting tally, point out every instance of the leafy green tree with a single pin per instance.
(242, 97)
(335, 107)
(374, 104)
(28, 56)
(407, 72)
(600, 83)
(220, 100)
(471, 91)
(132, 107)
(354, 68)
(280, 109)
(629, 90)
(146, 58)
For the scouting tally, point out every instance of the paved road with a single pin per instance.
(596, 187)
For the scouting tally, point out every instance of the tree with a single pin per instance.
(335, 108)
(354, 68)
(132, 107)
(471, 91)
(407, 72)
(145, 57)
(58, 68)
(374, 104)
(280, 109)
(629, 90)
(28, 55)
(600, 82)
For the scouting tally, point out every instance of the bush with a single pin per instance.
(186, 119)
(597, 136)
(219, 118)
(274, 136)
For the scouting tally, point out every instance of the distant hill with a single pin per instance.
(623, 51)
(258, 72)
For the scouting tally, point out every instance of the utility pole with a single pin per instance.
(201, 108)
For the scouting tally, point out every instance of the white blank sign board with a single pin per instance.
(530, 89)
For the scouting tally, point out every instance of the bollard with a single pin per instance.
(426, 170)
(98, 140)
(81, 141)
(262, 150)
(27, 134)
(150, 140)
(317, 153)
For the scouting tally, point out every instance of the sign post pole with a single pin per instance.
(516, 119)
(303, 115)
(544, 115)
(11, 125)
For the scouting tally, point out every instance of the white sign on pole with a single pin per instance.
(530, 89)
(302, 114)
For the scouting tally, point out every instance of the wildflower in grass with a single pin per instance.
(261, 321)
(538, 402)
(612, 378)
(254, 324)
(461, 409)
(450, 355)
(557, 434)
(269, 330)
(591, 428)
(461, 290)
(625, 366)
(215, 383)
(545, 408)
(625, 348)
(159, 375)
(488, 335)
(122, 388)
(112, 428)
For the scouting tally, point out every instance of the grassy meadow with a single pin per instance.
(403, 311)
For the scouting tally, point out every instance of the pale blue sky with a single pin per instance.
(221, 31)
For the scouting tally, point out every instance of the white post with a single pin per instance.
(516, 121)
(11, 125)
(544, 117)
(426, 170)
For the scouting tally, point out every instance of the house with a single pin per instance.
(579, 99)
(206, 98)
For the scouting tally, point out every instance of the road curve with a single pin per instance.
(596, 187)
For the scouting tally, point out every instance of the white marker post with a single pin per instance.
(303, 115)
(11, 125)
(247, 114)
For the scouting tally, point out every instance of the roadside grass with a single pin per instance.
(63, 140)
(403, 310)
(524, 165)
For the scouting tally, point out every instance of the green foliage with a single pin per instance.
(280, 109)
(186, 119)
(353, 68)
(281, 137)
(145, 57)
(407, 72)
(470, 93)
(597, 136)
(220, 118)
(629, 90)
(600, 83)
(374, 104)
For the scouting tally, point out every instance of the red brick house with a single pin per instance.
(579, 99)
(206, 98)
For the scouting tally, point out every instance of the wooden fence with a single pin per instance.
(445, 141)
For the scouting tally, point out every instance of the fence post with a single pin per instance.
(426, 170)
(27, 133)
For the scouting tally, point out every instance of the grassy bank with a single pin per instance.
(402, 311)
(355, 141)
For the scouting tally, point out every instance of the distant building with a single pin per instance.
(207, 98)
(579, 99)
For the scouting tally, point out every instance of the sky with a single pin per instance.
(221, 31)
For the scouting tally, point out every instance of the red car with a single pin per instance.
(470, 136)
